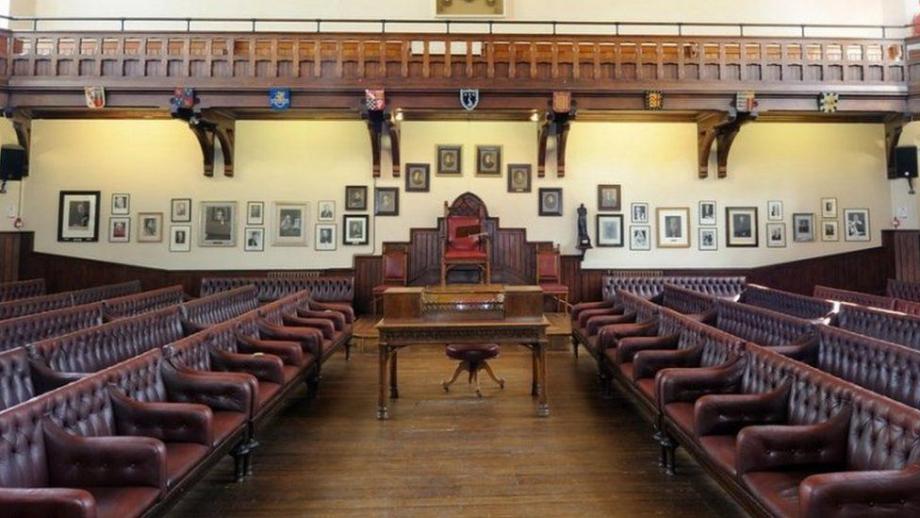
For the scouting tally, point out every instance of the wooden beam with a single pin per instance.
(557, 123)
(719, 128)
(393, 131)
(375, 120)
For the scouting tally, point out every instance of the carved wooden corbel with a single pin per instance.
(380, 123)
(557, 123)
(719, 128)
(213, 125)
(393, 130)
(22, 125)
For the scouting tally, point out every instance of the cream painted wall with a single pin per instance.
(654, 162)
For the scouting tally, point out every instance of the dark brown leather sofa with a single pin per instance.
(138, 303)
(30, 306)
(204, 312)
(16, 383)
(322, 288)
(21, 331)
(760, 325)
(892, 327)
(801, 306)
(854, 297)
(21, 289)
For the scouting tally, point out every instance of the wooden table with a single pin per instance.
(520, 321)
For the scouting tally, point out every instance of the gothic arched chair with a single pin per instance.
(465, 242)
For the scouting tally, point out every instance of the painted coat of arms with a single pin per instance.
(469, 98)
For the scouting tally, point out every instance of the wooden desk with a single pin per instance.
(406, 323)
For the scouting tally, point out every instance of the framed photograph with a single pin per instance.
(325, 237)
(608, 198)
(828, 208)
(489, 160)
(355, 230)
(386, 201)
(857, 225)
(217, 223)
(640, 237)
(290, 224)
(121, 204)
(356, 197)
(254, 239)
(776, 235)
(119, 230)
(519, 177)
(709, 239)
(78, 216)
(418, 177)
(707, 213)
(449, 160)
(741, 227)
(775, 211)
(180, 238)
(180, 210)
(325, 210)
(673, 227)
(550, 201)
(610, 230)
(255, 213)
(803, 227)
(149, 227)
(830, 230)
(639, 212)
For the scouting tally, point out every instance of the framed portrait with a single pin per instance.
(828, 208)
(741, 227)
(519, 177)
(550, 201)
(149, 227)
(640, 237)
(449, 160)
(608, 198)
(356, 197)
(254, 239)
(830, 230)
(776, 235)
(180, 210)
(418, 178)
(639, 212)
(325, 237)
(707, 213)
(290, 224)
(857, 225)
(78, 216)
(803, 227)
(355, 230)
(489, 160)
(775, 211)
(610, 230)
(325, 210)
(386, 201)
(709, 239)
(121, 204)
(119, 230)
(255, 213)
(673, 227)
(180, 238)
(217, 223)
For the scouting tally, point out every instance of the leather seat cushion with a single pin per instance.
(290, 372)
(267, 392)
(646, 387)
(722, 451)
(626, 369)
(225, 423)
(778, 491)
(121, 502)
(472, 352)
(681, 414)
(465, 254)
(181, 457)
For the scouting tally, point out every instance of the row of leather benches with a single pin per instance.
(42, 303)
(867, 299)
(21, 289)
(131, 438)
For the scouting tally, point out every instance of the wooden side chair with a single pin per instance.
(465, 242)
(395, 267)
(549, 276)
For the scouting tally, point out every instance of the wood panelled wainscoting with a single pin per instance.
(10, 251)
(863, 270)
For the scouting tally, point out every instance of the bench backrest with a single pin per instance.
(885, 325)
(21, 289)
(800, 306)
(903, 290)
(139, 303)
(716, 347)
(21, 331)
(759, 325)
(221, 306)
(649, 287)
(854, 297)
(15, 378)
(323, 289)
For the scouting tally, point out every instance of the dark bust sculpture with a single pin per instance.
(584, 240)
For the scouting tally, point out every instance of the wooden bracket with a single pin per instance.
(719, 128)
(557, 123)
(22, 125)
(380, 123)
(393, 130)
(894, 126)
(214, 125)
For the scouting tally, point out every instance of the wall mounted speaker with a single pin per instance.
(12, 162)
(905, 163)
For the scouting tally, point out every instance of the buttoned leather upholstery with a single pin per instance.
(16, 383)
(138, 303)
(761, 326)
(322, 289)
(221, 306)
(854, 297)
(903, 290)
(21, 289)
(648, 287)
(885, 325)
(30, 306)
(21, 331)
(800, 306)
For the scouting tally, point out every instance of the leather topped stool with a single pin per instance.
(473, 358)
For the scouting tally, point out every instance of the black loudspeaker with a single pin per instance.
(905, 163)
(12, 162)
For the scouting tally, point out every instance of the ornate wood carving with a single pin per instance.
(380, 123)
(719, 128)
(22, 125)
(557, 123)
(211, 126)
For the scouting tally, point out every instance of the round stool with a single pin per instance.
(472, 358)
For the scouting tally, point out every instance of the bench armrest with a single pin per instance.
(168, 422)
(263, 367)
(232, 391)
(290, 352)
(726, 414)
(47, 501)
(861, 493)
(688, 385)
(772, 447)
(646, 364)
(628, 347)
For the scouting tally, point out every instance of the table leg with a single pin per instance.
(534, 386)
(542, 406)
(394, 388)
(382, 411)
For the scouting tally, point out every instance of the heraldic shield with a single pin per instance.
(469, 98)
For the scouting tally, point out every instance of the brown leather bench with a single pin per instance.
(138, 303)
(761, 326)
(904, 290)
(21, 331)
(204, 312)
(21, 289)
(893, 327)
(30, 306)
(801, 306)
(854, 297)
(331, 288)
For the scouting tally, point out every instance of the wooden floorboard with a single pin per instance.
(456, 455)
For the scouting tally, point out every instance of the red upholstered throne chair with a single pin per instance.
(549, 276)
(465, 242)
(395, 272)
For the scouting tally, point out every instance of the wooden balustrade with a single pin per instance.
(516, 62)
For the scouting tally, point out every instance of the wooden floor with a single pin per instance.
(456, 455)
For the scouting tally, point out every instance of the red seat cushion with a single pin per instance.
(181, 457)
(472, 352)
(682, 415)
(118, 502)
(625, 368)
(777, 490)
(225, 423)
(647, 387)
(267, 392)
(465, 254)
(722, 450)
